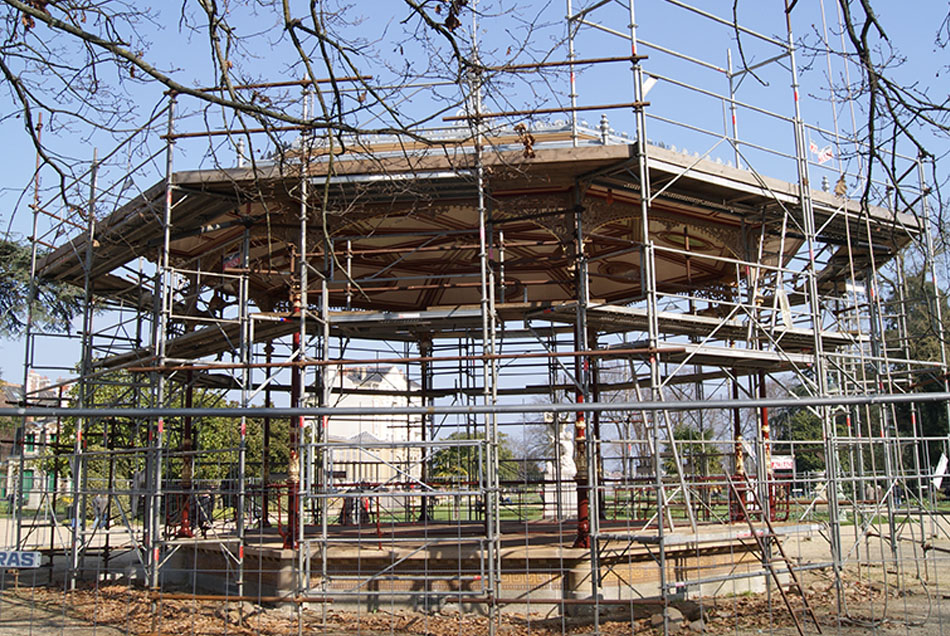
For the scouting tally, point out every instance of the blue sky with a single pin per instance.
(660, 23)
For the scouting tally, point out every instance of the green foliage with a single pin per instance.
(916, 303)
(922, 343)
(698, 455)
(279, 445)
(215, 440)
(463, 462)
(8, 426)
(56, 303)
(920, 313)
(799, 425)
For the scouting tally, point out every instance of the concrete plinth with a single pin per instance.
(429, 567)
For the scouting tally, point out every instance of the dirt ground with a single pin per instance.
(21, 614)
(887, 598)
(873, 603)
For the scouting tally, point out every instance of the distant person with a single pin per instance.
(137, 500)
(205, 512)
(100, 506)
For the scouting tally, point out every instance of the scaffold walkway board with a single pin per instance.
(617, 318)
(736, 358)
(731, 534)
(390, 325)
(453, 321)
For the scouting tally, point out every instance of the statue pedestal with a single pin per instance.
(560, 503)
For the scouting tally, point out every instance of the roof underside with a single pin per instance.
(405, 225)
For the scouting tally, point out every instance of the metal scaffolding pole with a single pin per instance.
(16, 508)
(163, 308)
(930, 269)
(814, 303)
(581, 438)
(244, 350)
(631, 258)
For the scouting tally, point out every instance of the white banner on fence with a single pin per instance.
(783, 462)
(941, 470)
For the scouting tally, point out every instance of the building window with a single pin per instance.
(30, 442)
(27, 481)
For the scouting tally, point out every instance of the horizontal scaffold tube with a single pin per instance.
(456, 409)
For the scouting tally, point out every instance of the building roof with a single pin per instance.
(410, 209)
(11, 395)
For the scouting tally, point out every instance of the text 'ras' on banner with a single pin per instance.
(18, 559)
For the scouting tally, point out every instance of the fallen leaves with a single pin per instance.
(129, 609)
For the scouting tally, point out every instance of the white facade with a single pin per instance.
(371, 451)
(36, 446)
(374, 387)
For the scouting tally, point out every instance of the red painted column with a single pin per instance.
(296, 424)
(188, 463)
(580, 461)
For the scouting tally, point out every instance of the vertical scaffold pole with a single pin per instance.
(814, 303)
(17, 507)
(160, 327)
(878, 354)
(931, 271)
(581, 441)
(299, 302)
(265, 453)
(84, 388)
(573, 77)
(426, 374)
(487, 284)
(649, 292)
(245, 353)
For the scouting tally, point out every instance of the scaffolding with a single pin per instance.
(513, 367)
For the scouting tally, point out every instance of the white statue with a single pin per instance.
(560, 491)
